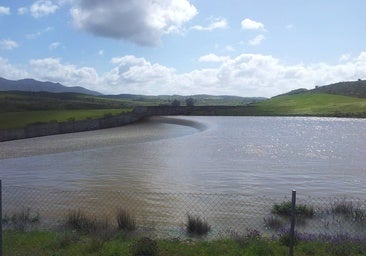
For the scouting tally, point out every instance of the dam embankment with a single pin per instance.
(53, 128)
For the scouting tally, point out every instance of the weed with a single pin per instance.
(80, 222)
(349, 210)
(284, 238)
(66, 239)
(343, 207)
(144, 247)
(197, 226)
(22, 220)
(359, 215)
(284, 209)
(273, 222)
(125, 221)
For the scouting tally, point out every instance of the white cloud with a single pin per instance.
(257, 40)
(136, 75)
(142, 22)
(22, 10)
(249, 24)
(51, 69)
(4, 10)
(7, 44)
(245, 75)
(229, 48)
(42, 8)
(212, 58)
(54, 46)
(11, 72)
(39, 33)
(219, 23)
(101, 52)
(345, 57)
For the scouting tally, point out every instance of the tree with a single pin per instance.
(175, 103)
(190, 102)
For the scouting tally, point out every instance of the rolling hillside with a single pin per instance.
(351, 88)
(312, 104)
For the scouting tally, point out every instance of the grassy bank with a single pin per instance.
(71, 243)
(10, 120)
(312, 104)
(304, 104)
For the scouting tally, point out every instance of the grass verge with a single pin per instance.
(53, 243)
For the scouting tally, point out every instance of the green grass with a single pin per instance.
(68, 243)
(312, 104)
(10, 120)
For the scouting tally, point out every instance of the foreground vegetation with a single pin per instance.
(84, 234)
(73, 243)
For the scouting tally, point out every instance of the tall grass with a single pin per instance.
(125, 221)
(197, 226)
(79, 221)
(21, 220)
(349, 210)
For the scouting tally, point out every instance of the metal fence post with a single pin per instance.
(293, 221)
(1, 220)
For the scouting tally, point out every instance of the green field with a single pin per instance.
(312, 104)
(10, 120)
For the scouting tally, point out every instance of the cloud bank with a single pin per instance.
(142, 22)
(244, 75)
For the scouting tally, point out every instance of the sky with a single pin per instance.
(258, 48)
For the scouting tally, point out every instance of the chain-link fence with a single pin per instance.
(166, 214)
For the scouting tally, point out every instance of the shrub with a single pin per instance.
(284, 209)
(273, 222)
(197, 226)
(284, 238)
(125, 221)
(349, 210)
(344, 207)
(79, 221)
(22, 219)
(359, 215)
(144, 247)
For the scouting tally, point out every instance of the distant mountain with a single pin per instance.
(352, 89)
(31, 85)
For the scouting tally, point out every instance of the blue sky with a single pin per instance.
(232, 47)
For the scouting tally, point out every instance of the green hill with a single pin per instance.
(351, 88)
(313, 104)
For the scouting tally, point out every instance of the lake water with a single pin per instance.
(250, 156)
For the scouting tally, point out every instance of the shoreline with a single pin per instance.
(139, 113)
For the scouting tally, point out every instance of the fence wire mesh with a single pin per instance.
(166, 214)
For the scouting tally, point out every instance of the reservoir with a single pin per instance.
(247, 156)
(250, 155)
